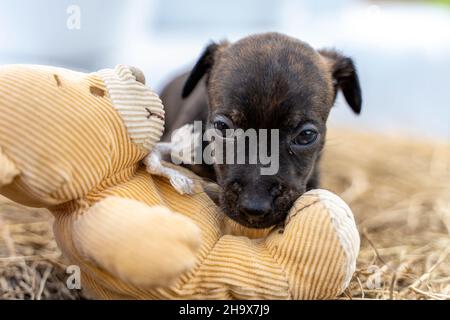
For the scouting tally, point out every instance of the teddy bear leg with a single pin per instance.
(142, 245)
(8, 170)
(323, 232)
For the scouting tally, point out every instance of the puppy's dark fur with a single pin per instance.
(266, 81)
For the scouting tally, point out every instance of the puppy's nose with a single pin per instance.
(255, 209)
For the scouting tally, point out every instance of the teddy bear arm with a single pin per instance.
(143, 246)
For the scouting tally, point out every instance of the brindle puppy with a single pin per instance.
(269, 81)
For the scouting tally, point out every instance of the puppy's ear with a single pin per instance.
(345, 78)
(202, 67)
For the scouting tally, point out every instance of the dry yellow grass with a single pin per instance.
(398, 188)
(399, 191)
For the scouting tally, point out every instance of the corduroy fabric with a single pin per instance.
(140, 108)
(68, 148)
(306, 261)
(60, 130)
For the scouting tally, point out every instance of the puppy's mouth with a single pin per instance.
(271, 220)
(280, 209)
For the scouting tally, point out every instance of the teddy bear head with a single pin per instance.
(64, 133)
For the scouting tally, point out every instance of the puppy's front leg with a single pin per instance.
(153, 161)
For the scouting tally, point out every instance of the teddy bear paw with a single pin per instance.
(145, 246)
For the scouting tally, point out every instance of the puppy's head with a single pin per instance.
(272, 81)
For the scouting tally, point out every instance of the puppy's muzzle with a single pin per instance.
(255, 209)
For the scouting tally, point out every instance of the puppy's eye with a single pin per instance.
(222, 124)
(306, 137)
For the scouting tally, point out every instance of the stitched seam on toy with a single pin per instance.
(228, 290)
(194, 271)
(299, 211)
(282, 270)
(348, 240)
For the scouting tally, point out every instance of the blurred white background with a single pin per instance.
(402, 49)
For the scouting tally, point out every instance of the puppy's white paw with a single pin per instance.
(181, 183)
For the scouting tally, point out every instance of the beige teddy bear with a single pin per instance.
(74, 143)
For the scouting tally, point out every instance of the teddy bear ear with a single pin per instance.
(139, 107)
(8, 170)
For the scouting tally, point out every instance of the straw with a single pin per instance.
(398, 189)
